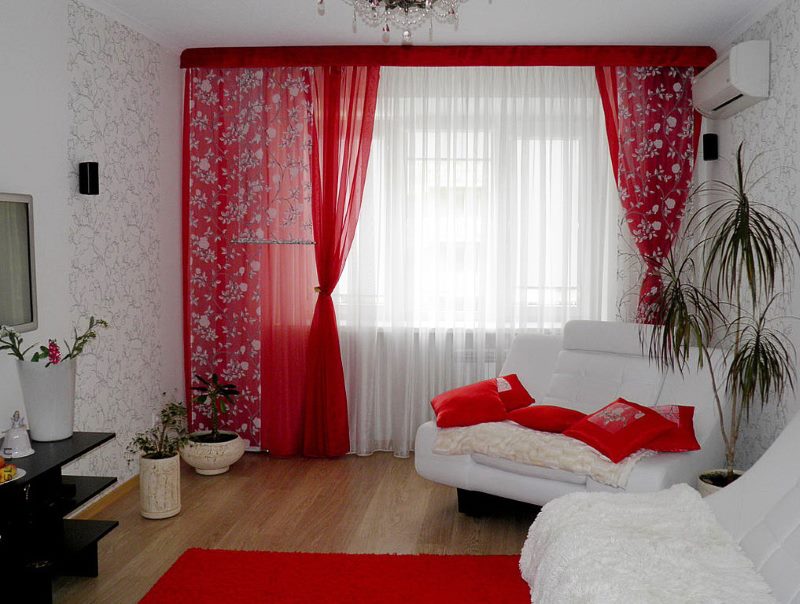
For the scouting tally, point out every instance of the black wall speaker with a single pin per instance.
(88, 178)
(710, 147)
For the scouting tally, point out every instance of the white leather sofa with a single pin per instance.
(761, 511)
(592, 365)
(582, 545)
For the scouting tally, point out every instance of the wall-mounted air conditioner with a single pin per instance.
(734, 82)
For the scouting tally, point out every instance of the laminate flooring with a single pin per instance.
(375, 504)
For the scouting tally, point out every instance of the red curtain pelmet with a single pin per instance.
(344, 100)
(448, 56)
(652, 135)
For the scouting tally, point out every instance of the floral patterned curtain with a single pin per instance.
(652, 133)
(247, 185)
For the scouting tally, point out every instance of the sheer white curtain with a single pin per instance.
(490, 209)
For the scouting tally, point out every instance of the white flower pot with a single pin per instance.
(212, 458)
(49, 396)
(159, 487)
(706, 488)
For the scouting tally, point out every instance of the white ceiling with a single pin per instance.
(180, 24)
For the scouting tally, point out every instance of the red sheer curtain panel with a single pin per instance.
(287, 308)
(652, 137)
(343, 117)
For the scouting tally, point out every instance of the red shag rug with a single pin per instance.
(203, 576)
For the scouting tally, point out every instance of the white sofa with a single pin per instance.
(761, 511)
(602, 544)
(592, 365)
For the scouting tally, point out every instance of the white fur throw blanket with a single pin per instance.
(511, 441)
(648, 548)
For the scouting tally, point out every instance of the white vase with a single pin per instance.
(209, 459)
(160, 487)
(49, 396)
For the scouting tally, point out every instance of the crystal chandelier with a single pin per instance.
(406, 15)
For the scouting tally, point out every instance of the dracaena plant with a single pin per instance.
(216, 396)
(720, 294)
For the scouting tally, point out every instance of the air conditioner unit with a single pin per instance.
(733, 82)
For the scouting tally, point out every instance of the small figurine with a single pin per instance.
(17, 443)
(16, 421)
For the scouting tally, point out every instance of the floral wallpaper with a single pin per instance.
(113, 101)
(772, 127)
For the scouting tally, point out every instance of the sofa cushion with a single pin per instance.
(619, 429)
(513, 393)
(546, 418)
(469, 405)
(526, 469)
(606, 336)
(681, 437)
(586, 381)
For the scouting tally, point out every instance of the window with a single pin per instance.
(490, 208)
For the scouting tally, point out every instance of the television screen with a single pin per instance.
(17, 268)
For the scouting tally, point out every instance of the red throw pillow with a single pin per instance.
(513, 393)
(619, 429)
(680, 438)
(469, 405)
(546, 418)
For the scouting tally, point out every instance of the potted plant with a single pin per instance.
(719, 292)
(159, 465)
(213, 451)
(47, 379)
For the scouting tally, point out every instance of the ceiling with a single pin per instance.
(180, 24)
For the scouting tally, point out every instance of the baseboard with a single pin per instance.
(102, 502)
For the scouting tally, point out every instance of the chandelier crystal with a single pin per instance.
(406, 15)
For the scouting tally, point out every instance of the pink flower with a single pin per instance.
(53, 352)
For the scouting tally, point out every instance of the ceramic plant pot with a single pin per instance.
(159, 487)
(209, 458)
(49, 396)
(706, 481)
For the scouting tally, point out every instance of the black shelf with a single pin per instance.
(53, 455)
(79, 534)
(80, 489)
(36, 542)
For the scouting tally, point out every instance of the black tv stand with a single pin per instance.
(36, 542)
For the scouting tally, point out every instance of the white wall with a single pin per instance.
(33, 157)
(79, 86)
(772, 127)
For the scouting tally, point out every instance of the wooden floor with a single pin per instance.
(374, 504)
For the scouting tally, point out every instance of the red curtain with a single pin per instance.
(261, 138)
(344, 101)
(248, 297)
(652, 137)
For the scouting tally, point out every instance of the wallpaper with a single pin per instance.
(113, 100)
(771, 127)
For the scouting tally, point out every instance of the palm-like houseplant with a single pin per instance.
(720, 293)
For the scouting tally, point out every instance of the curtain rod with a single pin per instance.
(253, 241)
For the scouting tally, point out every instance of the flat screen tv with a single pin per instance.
(17, 264)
